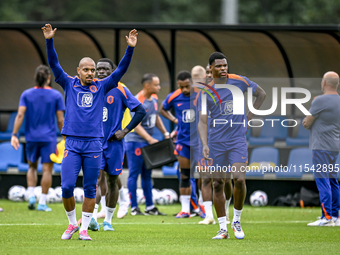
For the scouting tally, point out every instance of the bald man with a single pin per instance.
(83, 127)
(324, 124)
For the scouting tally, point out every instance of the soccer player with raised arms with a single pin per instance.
(83, 127)
(227, 143)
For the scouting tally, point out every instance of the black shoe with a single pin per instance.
(193, 214)
(31, 206)
(153, 211)
(136, 211)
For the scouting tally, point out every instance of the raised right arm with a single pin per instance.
(52, 56)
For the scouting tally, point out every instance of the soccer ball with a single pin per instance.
(167, 196)
(78, 194)
(173, 195)
(163, 198)
(126, 196)
(58, 194)
(140, 197)
(17, 193)
(155, 195)
(51, 196)
(258, 198)
(37, 192)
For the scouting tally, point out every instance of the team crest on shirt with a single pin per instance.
(188, 115)
(84, 99)
(227, 107)
(105, 114)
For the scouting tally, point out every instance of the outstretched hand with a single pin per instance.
(132, 38)
(49, 32)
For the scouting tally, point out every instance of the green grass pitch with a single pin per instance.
(268, 230)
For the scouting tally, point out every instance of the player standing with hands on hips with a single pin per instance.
(83, 127)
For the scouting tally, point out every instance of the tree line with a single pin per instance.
(176, 11)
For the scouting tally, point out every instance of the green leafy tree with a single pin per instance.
(171, 11)
(289, 12)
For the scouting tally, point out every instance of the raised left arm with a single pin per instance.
(116, 75)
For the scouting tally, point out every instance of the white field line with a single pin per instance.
(153, 223)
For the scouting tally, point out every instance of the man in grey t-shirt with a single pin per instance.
(324, 124)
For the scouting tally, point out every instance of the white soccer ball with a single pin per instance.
(37, 192)
(155, 195)
(173, 195)
(26, 195)
(17, 193)
(126, 196)
(58, 194)
(78, 194)
(258, 198)
(51, 196)
(163, 198)
(140, 197)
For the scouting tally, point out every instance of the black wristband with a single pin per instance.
(14, 134)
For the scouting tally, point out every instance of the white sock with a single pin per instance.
(200, 198)
(122, 198)
(223, 222)
(150, 207)
(102, 203)
(237, 215)
(227, 203)
(185, 201)
(95, 211)
(42, 199)
(85, 222)
(334, 219)
(72, 219)
(30, 191)
(197, 210)
(208, 209)
(109, 214)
